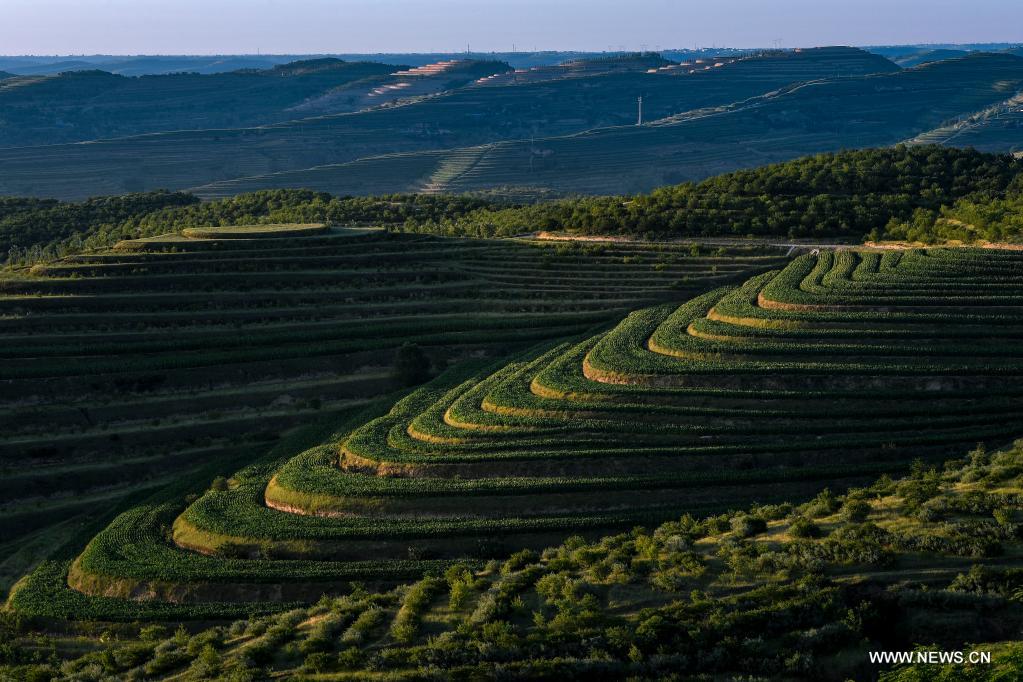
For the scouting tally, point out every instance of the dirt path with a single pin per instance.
(791, 245)
(903, 246)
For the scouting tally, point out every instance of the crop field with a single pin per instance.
(934, 553)
(829, 371)
(132, 368)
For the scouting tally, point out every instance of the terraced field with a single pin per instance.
(933, 557)
(460, 117)
(83, 105)
(828, 372)
(817, 115)
(999, 128)
(127, 370)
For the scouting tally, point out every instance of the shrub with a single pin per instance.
(350, 658)
(406, 623)
(233, 550)
(746, 526)
(804, 528)
(366, 622)
(519, 560)
(318, 662)
(856, 511)
(824, 504)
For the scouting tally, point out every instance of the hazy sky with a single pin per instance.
(321, 26)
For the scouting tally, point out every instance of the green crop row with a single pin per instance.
(352, 329)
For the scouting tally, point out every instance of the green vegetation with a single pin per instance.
(128, 368)
(411, 365)
(270, 231)
(35, 230)
(643, 604)
(289, 434)
(969, 220)
(843, 195)
(830, 371)
(744, 420)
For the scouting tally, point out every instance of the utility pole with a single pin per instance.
(639, 102)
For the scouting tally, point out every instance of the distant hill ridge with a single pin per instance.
(926, 56)
(461, 117)
(79, 105)
(795, 120)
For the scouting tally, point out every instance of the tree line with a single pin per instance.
(927, 193)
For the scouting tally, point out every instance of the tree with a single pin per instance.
(411, 365)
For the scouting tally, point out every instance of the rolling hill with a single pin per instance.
(147, 65)
(464, 116)
(85, 105)
(809, 117)
(997, 128)
(925, 56)
(150, 65)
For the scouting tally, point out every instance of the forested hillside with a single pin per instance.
(842, 195)
(32, 228)
(846, 195)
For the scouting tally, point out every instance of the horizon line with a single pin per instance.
(545, 51)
